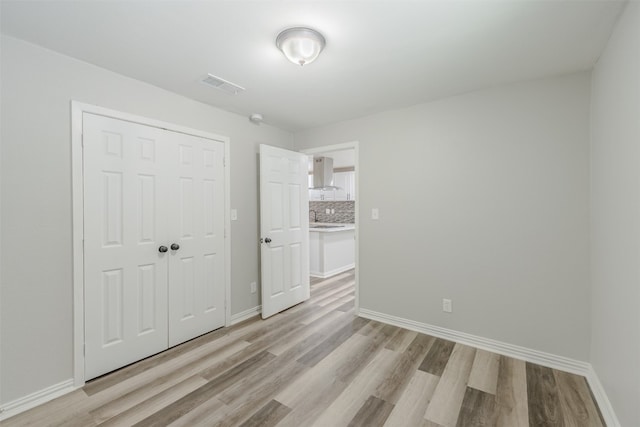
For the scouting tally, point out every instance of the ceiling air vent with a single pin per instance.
(222, 84)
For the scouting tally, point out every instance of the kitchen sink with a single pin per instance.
(326, 226)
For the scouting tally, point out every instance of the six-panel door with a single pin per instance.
(284, 226)
(196, 269)
(146, 188)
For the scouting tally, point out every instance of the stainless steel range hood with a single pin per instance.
(323, 174)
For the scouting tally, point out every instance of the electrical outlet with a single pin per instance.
(375, 214)
(333, 211)
(327, 211)
(447, 306)
(254, 287)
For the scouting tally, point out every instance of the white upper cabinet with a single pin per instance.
(346, 181)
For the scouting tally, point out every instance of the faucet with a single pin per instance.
(315, 215)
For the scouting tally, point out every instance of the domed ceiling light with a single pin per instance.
(300, 45)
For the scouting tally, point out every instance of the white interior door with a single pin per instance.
(196, 267)
(154, 240)
(125, 275)
(284, 227)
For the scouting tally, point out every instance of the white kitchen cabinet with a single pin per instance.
(315, 195)
(331, 251)
(346, 181)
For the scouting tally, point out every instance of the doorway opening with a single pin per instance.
(333, 222)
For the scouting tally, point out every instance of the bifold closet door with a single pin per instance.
(126, 277)
(154, 240)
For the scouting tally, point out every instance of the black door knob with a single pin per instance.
(162, 249)
(268, 240)
(175, 246)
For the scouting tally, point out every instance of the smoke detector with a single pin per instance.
(222, 84)
(256, 118)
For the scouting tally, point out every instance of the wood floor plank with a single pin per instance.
(578, 408)
(322, 374)
(57, 409)
(258, 346)
(270, 372)
(445, 404)
(542, 396)
(134, 369)
(478, 409)
(323, 327)
(152, 405)
(317, 362)
(202, 415)
(268, 416)
(484, 373)
(336, 294)
(159, 383)
(512, 408)
(323, 311)
(411, 406)
(370, 328)
(427, 423)
(357, 361)
(401, 340)
(320, 351)
(314, 404)
(349, 305)
(331, 282)
(244, 406)
(347, 405)
(373, 413)
(183, 405)
(391, 388)
(437, 358)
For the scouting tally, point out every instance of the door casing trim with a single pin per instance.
(77, 183)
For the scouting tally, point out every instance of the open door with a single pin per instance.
(284, 228)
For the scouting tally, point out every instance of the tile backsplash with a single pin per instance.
(345, 212)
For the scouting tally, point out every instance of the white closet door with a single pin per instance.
(196, 269)
(284, 226)
(125, 274)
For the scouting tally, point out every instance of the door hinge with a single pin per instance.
(224, 162)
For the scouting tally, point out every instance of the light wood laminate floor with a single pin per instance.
(318, 365)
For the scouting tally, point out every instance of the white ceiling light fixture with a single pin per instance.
(300, 45)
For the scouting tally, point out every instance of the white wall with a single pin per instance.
(483, 199)
(37, 87)
(615, 224)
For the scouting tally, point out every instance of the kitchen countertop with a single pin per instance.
(343, 227)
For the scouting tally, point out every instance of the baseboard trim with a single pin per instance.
(610, 418)
(332, 272)
(34, 399)
(244, 315)
(515, 351)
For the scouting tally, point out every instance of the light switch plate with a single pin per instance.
(327, 211)
(375, 214)
(234, 214)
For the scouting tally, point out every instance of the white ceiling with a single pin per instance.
(380, 55)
